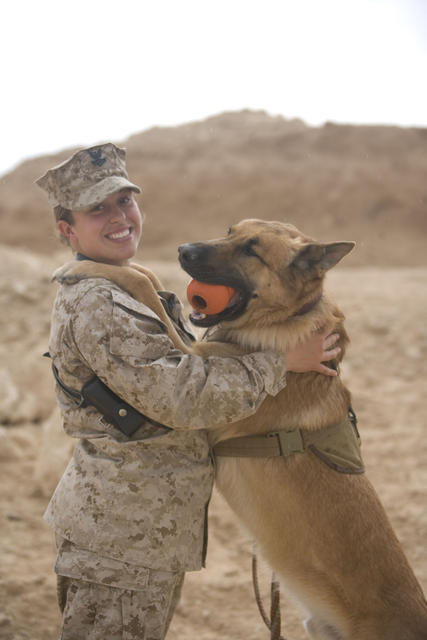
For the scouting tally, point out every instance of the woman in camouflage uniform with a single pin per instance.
(130, 512)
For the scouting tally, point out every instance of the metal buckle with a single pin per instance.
(289, 442)
(353, 419)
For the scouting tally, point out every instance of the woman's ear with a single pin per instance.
(65, 229)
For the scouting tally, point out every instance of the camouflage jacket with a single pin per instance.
(143, 500)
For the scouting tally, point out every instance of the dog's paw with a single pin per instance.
(68, 273)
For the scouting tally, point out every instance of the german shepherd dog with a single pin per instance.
(312, 511)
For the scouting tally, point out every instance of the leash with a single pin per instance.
(273, 623)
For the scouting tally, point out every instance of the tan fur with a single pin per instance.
(325, 533)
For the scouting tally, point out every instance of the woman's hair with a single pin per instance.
(63, 214)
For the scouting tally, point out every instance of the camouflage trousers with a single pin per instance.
(110, 600)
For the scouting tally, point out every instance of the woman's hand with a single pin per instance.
(310, 355)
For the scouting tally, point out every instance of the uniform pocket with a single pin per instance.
(92, 611)
(136, 331)
(148, 615)
(84, 565)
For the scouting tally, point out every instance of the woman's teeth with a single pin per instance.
(119, 234)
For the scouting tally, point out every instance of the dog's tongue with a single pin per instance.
(209, 298)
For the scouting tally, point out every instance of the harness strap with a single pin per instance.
(270, 445)
(337, 445)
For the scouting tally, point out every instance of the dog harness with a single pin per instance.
(338, 445)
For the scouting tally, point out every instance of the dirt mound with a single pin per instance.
(363, 183)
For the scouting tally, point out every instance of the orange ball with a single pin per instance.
(209, 298)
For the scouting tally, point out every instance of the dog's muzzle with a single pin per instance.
(200, 260)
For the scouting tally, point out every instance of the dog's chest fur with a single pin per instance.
(309, 400)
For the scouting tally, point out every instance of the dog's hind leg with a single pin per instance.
(319, 630)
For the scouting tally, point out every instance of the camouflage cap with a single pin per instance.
(87, 178)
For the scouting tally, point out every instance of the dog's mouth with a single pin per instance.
(194, 259)
(235, 306)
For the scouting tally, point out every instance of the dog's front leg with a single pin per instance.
(139, 283)
(206, 349)
(157, 284)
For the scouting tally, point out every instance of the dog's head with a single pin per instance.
(276, 270)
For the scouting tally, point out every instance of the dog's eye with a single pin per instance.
(248, 250)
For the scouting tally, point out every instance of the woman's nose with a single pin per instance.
(117, 214)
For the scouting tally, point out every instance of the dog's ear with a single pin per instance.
(321, 256)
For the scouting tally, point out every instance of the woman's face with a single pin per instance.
(107, 232)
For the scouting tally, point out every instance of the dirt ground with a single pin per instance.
(385, 368)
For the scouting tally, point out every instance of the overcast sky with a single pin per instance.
(85, 71)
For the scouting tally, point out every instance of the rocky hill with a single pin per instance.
(363, 183)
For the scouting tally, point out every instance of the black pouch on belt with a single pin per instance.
(115, 410)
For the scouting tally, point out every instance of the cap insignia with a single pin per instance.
(97, 157)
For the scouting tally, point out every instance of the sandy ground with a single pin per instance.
(385, 369)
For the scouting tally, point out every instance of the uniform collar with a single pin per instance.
(81, 256)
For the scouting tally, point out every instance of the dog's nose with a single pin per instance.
(190, 252)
